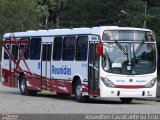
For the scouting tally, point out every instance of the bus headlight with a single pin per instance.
(108, 83)
(151, 83)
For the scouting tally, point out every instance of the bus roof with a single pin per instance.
(56, 32)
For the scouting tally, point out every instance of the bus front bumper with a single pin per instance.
(127, 92)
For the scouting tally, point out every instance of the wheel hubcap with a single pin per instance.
(79, 91)
(23, 85)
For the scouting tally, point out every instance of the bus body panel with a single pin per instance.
(128, 93)
(128, 86)
(58, 75)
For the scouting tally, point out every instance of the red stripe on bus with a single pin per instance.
(130, 86)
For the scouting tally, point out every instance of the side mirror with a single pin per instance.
(100, 49)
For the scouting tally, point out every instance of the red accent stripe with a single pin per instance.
(130, 86)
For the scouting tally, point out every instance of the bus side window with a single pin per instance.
(35, 48)
(68, 48)
(15, 51)
(57, 48)
(81, 48)
(26, 53)
(6, 57)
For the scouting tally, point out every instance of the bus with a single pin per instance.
(104, 61)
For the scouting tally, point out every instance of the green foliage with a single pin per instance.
(22, 15)
(90, 13)
(135, 13)
(17, 15)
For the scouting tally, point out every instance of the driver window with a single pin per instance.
(108, 35)
(149, 36)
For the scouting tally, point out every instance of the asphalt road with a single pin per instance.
(11, 101)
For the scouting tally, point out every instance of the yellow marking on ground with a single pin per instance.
(46, 91)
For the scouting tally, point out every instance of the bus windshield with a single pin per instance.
(129, 58)
(128, 35)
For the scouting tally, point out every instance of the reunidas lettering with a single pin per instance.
(62, 70)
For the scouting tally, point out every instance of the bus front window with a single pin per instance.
(129, 58)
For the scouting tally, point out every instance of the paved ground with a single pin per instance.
(11, 101)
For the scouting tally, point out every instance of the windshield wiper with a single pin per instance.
(139, 48)
(125, 51)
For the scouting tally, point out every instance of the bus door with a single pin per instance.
(93, 69)
(46, 65)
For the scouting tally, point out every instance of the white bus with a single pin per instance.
(106, 61)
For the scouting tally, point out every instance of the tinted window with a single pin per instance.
(68, 48)
(35, 48)
(5, 53)
(57, 48)
(15, 51)
(26, 53)
(81, 48)
(46, 53)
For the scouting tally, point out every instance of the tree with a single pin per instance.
(135, 13)
(48, 12)
(17, 15)
(89, 13)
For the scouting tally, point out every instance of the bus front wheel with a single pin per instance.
(126, 100)
(78, 92)
(23, 87)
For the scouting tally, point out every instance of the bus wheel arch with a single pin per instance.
(23, 86)
(75, 80)
(77, 90)
(20, 75)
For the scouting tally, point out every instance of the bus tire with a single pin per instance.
(78, 93)
(23, 87)
(126, 100)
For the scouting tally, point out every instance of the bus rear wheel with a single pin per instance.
(126, 100)
(23, 87)
(78, 92)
